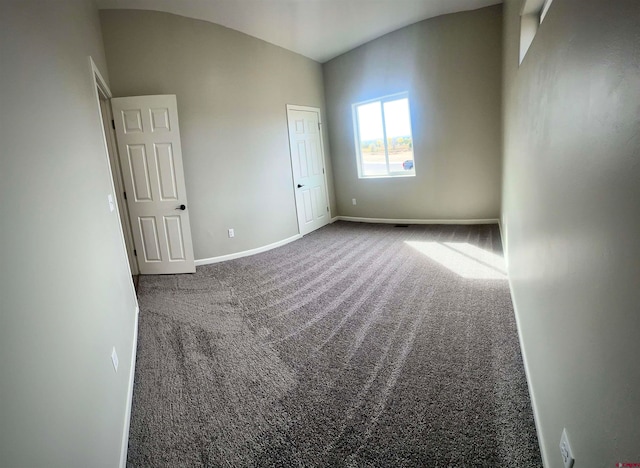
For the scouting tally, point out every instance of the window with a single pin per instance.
(531, 17)
(384, 143)
(545, 9)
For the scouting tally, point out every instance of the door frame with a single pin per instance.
(101, 88)
(103, 95)
(296, 107)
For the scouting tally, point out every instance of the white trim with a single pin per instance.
(265, 248)
(306, 109)
(123, 209)
(104, 95)
(503, 241)
(534, 407)
(544, 10)
(125, 432)
(101, 87)
(356, 133)
(532, 13)
(100, 82)
(416, 221)
(246, 253)
(525, 362)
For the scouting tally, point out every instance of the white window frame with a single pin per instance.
(356, 131)
(532, 13)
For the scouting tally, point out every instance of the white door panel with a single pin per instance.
(307, 162)
(150, 242)
(151, 157)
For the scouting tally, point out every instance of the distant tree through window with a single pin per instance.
(384, 142)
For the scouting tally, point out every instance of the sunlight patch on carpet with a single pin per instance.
(464, 259)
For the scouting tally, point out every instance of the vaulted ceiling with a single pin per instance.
(318, 29)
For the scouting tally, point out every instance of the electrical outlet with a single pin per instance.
(114, 358)
(353, 200)
(232, 233)
(565, 450)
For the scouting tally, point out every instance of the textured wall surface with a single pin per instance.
(66, 297)
(232, 92)
(451, 67)
(571, 219)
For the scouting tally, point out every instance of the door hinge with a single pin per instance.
(113, 124)
(323, 170)
(125, 195)
(327, 209)
(135, 253)
(318, 125)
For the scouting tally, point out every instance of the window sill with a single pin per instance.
(390, 176)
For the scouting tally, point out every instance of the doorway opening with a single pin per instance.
(103, 95)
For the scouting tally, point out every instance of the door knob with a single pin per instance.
(182, 207)
(300, 185)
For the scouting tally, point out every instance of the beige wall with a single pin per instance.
(450, 65)
(232, 91)
(572, 222)
(65, 292)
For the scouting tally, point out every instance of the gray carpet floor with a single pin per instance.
(356, 346)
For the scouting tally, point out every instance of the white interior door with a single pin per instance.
(307, 162)
(151, 159)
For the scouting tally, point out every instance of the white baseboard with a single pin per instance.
(417, 221)
(127, 420)
(503, 241)
(525, 362)
(246, 253)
